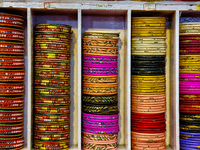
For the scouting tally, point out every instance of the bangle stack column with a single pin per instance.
(52, 86)
(189, 85)
(148, 83)
(100, 90)
(11, 81)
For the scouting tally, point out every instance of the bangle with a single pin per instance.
(100, 131)
(98, 109)
(56, 127)
(53, 144)
(100, 79)
(52, 26)
(101, 34)
(113, 117)
(101, 51)
(8, 16)
(52, 83)
(100, 90)
(99, 69)
(54, 56)
(100, 73)
(51, 136)
(100, 42)
(52, 45)
(100, 99)
(52, 73)
(52, 35)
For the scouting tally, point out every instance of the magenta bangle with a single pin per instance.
(99, 62)
(189, 92)
(100, 117)
(100, 65)
(100, 73)
(190, 79)
(98, 56)
(102, 128)
(188, 83)
(190, 89)
(100, 69)
(189, 74)
(100, 131)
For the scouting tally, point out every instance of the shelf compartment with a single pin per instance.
(67, 17)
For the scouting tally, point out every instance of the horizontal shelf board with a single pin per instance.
(120, 5)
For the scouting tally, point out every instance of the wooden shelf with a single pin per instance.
(104, 15)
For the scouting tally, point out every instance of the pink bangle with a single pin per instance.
(101, 73)
(100, 131)
(100, 117)
(99, 56)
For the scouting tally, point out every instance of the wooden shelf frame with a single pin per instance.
(172, 9)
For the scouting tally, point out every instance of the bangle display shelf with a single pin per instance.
(116, 16)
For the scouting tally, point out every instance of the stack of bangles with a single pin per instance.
(11, 81)
(100, 90)
(189, 85)
(52, 87)
(148, 83)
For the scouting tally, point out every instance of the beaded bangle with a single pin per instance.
(100, 42)
(101, 51)
(8, 16)
(105, 99)
(110, 85)
(12, 75)
(53, 128)
(51, 144)
(99, 69)
(54, 30)
(52, 136)
(52, 35)
(98, 131)
(52, 73)
(11, 89)
(99, 73)
(52, 26)
(113, 117)
(55, 56)
(51, 91)
(51, 110)
(52, 83)
(99, 124)
(100, 90)
(102, 34)
(100, 79)
(99, 137)
(53, 45)
(98, 109)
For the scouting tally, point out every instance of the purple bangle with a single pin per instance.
(187, 142)
(189, 133)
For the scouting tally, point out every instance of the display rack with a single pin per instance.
(103, 15)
